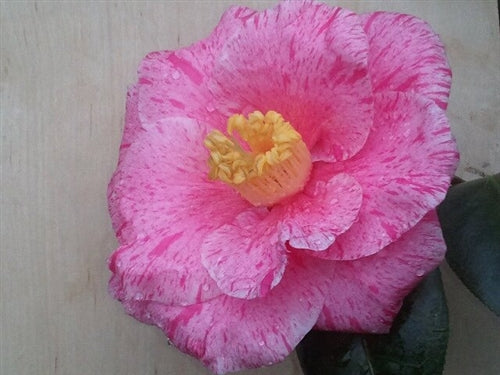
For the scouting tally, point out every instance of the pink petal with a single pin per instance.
(131, 129)
(246, 257)
(314, 73)
(323, 211)
(160, 198)
(164, 268)
(161, 183)
(406, 55)
(175, 83)
(366, 294)
(404, 169)
(132, 122)
(228, 334)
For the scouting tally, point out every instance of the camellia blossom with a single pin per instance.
(279, 175)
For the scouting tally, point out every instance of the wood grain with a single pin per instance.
(65, 67)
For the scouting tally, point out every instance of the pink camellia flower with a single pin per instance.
(281, 175)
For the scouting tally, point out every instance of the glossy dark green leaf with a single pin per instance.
(470, 219)
(416, 344)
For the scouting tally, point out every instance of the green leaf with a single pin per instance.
(470, 220)
(416, 344)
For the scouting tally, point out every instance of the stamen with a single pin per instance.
(274, 164)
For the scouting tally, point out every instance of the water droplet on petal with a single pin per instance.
(210, 107)
(205, 287)
(176, 74)
(420, 273)
(261, 343)
(139, 296)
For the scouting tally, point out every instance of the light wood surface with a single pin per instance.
(65, 67)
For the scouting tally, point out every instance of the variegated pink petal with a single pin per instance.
(163, 268)
(404, 169)
(229, 334)
(175, 84)
(246, 257)
(160, 192)
(406, 55)
(313, 72)
(132, 122)
(131, 129)
(161, 183)
(324, 210)
(366, 294)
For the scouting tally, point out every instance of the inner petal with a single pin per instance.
(263, 157)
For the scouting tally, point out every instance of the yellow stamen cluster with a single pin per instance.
(275, 164)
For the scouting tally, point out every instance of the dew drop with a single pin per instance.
(139, 296)
(420, 273)
(176, 74)
(205, 287)
(261, 343)
(210, 107)
(119, 264)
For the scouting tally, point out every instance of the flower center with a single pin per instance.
(271, 164)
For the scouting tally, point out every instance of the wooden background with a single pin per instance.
(65, 67)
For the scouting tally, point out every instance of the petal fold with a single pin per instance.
(406, 55)
(323, 211)
(163, 268)
(246, 257)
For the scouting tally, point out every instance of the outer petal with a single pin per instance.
(366, 294)
(404, 169)
(323, 211)
(246, 257)
(132, 122)
(307, 61)
(164, 268)
(229, 334)
(406, 55)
